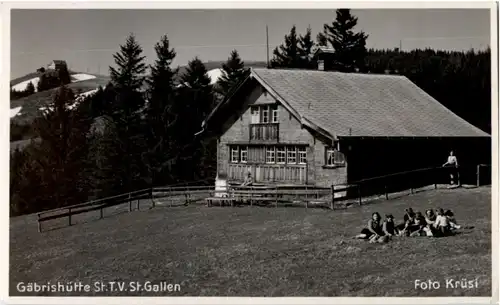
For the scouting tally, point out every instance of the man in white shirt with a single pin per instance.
(452, 163)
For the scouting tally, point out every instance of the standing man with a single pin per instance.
(452, 164)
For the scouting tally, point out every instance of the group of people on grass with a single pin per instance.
(436, 223)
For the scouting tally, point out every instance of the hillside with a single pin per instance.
(28, 107)
(258, 251)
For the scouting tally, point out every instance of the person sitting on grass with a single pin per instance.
(388, 227)
(374, 231)
(430, 216)
(417, 229)
(442, 223)
(409, 221)
(430, 219)
(451, 218)
(409, 215)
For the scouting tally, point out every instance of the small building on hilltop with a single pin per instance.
(330, 128)
(57, 65)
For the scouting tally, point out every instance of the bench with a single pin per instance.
(221, 200)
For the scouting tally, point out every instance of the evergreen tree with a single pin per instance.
(321, 38)
(63, 75)
(30, 89)
(160, 116)
(287, 54)
(350, 47)
(123, 140)
(51, 173)
(43, 83)
(130, 66)
(196, 102)
(306, 45)
(233, 73)
(47, 81)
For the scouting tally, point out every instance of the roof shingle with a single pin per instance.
(365, 105)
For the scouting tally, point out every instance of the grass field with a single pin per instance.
(258, 251)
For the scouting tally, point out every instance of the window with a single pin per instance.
(280, 155)
(291, 155)
(255, 113)
(302, 155)
(244, 154)
(265, 114)
(234, 155)
(274, 114)
(334, 157)
(270, 155)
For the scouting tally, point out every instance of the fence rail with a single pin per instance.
(380, 185)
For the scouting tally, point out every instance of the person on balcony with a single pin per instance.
(248, 180)
(452, 164)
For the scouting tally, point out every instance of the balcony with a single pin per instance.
(264, 132)
(268, 173)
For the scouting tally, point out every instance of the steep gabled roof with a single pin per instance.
(58, 62)
(327, 50)
(362, 105)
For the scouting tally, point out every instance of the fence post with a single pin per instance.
(333, 197)
(39, 224)
(386, 193)
(69, 216)
(152, 199)
(276, 196)
(171, 198)
(101, 214)
(251, 194)
(359, 193)
(138, 205)
(276, 202)
(477, 175)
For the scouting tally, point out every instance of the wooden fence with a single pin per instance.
(381, 185)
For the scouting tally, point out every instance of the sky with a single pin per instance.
(87, 39)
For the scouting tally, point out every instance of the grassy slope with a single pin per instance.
(31, 104)
(24, 78)
(256, 251)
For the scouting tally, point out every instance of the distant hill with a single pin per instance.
(30, 105)
(210, 65)
(24, 110)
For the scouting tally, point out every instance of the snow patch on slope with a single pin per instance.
(15, 111)
(214, 75)
(86, 94)
(22, 85)
(80, 77)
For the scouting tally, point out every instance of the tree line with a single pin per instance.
(136, 132)
(47, 80)
(461, 81)
(141, 129)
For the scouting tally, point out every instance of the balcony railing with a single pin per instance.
(264, 173)
(264, 132)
